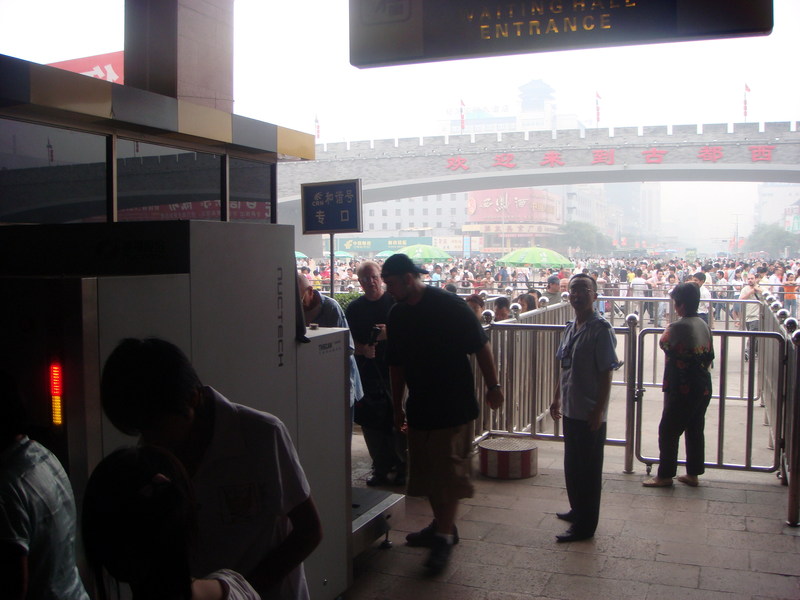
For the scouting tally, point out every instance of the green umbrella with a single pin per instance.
(299, 254)
(339, 254)
(424, 253)
(541, 258)
(384, 253)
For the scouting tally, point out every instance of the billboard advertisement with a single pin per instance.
(110, 67)
(515, 205)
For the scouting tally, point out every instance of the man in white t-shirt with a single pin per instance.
(776, 283)
(638, 289)
(255, 511)
(699, 279)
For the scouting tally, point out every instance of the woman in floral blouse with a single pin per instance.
(687, 389)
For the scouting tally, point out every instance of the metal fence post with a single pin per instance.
(793, 512)
(632, 320)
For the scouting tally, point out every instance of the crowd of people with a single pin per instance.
(720, 279)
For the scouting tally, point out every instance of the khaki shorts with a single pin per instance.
(439, 463)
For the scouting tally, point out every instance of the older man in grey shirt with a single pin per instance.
(586, 356)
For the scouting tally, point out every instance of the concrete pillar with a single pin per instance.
(181, 48)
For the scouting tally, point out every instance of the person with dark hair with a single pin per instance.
(140, 525)
(502, 308)
(689, 352)
(477, 304)
(699, 279)
(587, 356)
(752, 312)
(431, 332)
(526, 303)
(256, 514)
(37, 512)
(537, 295)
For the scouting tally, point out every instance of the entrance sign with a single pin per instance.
(394, 32)
(332, 206)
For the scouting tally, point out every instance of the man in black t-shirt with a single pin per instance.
(367, 317)
(430, 335)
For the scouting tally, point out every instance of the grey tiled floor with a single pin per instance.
(725, 540)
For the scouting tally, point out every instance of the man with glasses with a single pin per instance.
(367, 317)
(587, 357)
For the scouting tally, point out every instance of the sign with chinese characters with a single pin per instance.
(393, 32)
(513, 206)
(576, 157)
(332, 206)
(377, 244)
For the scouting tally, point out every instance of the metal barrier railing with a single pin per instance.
(768, 381)
(736, 404)
(525, 351)
(791, 464)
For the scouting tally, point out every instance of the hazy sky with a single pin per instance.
(292, 67)
(690, 82)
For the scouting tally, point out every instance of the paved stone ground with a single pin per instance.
(725, 540)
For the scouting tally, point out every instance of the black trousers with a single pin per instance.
(387, 449)
(683, 414)
(583, 471)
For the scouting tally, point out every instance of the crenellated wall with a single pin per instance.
(396, 168)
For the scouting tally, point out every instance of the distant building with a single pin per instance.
(535, 110)
(634, 211)
(437, 213)
(774, 199)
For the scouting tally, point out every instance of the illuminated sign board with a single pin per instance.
(332, 206)
(394, 32)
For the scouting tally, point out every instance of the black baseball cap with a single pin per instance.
(400, 264)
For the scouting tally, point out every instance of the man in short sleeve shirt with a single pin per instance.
(255, 511)
(587, 357)
(430, 335)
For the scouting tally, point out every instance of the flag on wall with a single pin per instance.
(597, 99)
(462, 116)
(746, 89)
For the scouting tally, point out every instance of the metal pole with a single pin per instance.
(332, 265)
(793, 512)
(630, 405)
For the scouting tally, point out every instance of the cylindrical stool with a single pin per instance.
(508, 457)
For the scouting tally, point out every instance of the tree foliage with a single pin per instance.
(587, 237)
(771, 239)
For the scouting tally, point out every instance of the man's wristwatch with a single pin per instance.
(494, 387)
